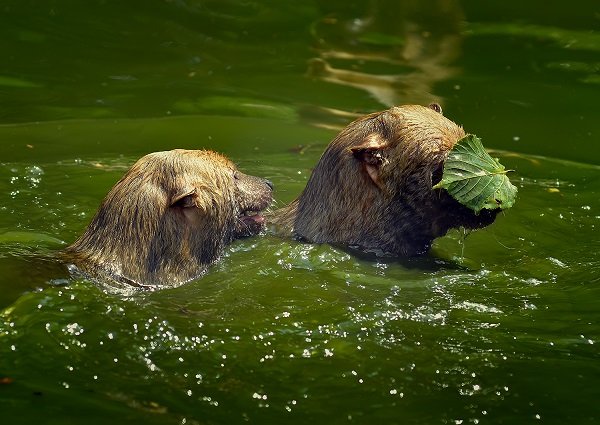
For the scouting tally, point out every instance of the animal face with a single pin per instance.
(251, 198)
(210, 188)
(405, 159)
(372, 187)
(170, 216)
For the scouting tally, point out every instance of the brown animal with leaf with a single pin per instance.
(372, 188)
(168, 219)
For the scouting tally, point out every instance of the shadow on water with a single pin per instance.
(427, 263)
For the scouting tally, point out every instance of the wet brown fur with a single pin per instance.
(168, 219)
(372, 187)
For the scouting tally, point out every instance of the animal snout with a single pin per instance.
(269, 183)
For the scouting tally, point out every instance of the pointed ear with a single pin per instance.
(186, 198)
(370, 154)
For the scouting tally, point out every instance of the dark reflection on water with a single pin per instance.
(395, 61)
(425, 263)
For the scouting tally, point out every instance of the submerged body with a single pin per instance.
(372, 187)
(168, 219)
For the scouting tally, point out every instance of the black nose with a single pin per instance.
(269, 183)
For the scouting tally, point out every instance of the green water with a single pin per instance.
(502, 329)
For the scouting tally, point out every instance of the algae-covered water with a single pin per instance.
(501, 328)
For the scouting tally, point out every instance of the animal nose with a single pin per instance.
(269, 183)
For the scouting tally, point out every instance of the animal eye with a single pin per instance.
(436, 107)
(236, 175)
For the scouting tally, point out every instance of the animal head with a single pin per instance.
(170, 216)
(373, 185)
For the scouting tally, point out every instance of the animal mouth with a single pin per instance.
(250, 221)
(457, 215)
(481, 220)
(252, 216)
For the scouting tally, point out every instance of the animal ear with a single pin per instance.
(370, 154)
(186, 198)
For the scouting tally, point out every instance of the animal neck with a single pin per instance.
(149, 254)
(366, 219)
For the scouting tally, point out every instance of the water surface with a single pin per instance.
(499, 328)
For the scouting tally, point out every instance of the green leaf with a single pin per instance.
(475, 179)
